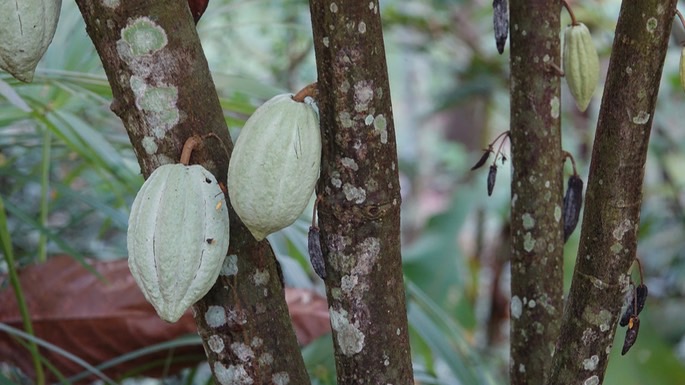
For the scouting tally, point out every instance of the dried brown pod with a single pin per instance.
(492, 175)
(639, 297)
(482, 160)
(315, 253)
(631, 334)
(573, 202)
(501, 23)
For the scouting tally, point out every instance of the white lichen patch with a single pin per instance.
(230, 266)
(622, 229)
(528, 242)
(616, 248)
(368, 120)
(280, 378)
(591, 363)
(348, 282)
(110, 3)
(370, 248)
(334, 7)
(348, 336)
(557, 213)
(516, 307)
(266, 359)
(326, 41)
(158, 104)
(233, 375)
(242, 351)
(589, 336)
(260, 277)
(380, 125)
(345, 119)
(149, 145)
(335, 179)
(594, 380)
(554, 107)
(363, 94)
(256, 342)
(361, 27)
(144, 36)
(215, 343)
(522, 368)
(531, 303)
(642, 117)
(528, 221)
(354, 194)
(236, 317)
(215, 316)
(652, 24)
(349, 163)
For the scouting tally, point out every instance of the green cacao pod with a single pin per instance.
(275, 164)
(581, 64)
(178, 235)
(26, 30)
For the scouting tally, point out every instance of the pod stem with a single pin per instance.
(570, 12)
(639, 265)
(567, 155)
(309, 90)
(316, 206)
(680, 16)
(191, 143)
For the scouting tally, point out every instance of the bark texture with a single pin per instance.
(163, 92)
(614, 195)
(360, 212)
(536, 189)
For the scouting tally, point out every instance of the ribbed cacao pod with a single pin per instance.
(275, 165)
(178, 235)
(581, 64)
(26, 30)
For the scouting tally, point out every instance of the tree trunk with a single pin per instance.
(163, 92)
(608, 238)
(359, 215)
(536, 189)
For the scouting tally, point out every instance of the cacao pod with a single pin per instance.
(178, 235)
(26, 30)
(275, 165)
(581, 64)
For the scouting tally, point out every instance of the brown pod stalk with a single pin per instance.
(573, 202)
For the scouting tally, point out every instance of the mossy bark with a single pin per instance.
(359, 215)
(163, 93)
(536, 189)
(608, 238)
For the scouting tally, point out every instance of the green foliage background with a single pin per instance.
(68, 174)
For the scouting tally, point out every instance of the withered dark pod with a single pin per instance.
(492, 176)
(315, 253)
(631, 334)
(639, 297)
(573, 202)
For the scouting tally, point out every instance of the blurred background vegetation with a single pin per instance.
(68, 174)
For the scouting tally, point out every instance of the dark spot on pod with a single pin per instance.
(573, 202)
(631, 334)
(315, 253)
(492, 175)
(482, 160)
(210, 240)
(501, 23)
(639, 296)
(208, 181)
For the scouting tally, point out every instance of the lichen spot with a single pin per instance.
(557, 213)
(232, 375)
(334, 7)
(242, 351)
(280, 378)
(368, 120)
(651, 24)
(516, 307)
(260, 277)
(363, 94)
(215, 343)
(230, 266)
(326, 41)
(349, 338)
(616, 248)
(349, 163)
(591, 363)
(110, 3)
(354, 194)
(528, 221)
(594, 380)
(361, 27)
(345, 119)
(380, 125)
(144, 36)
(528, 242)
(622, 229)
(158, 99)
(149, 145)
(522, 368)
(641, 118)
(266, 359)
(554, 107)
(532, 303)
(215, 316)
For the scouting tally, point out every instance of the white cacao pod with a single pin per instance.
(581, 64)
(178, 235)
(275, 165)
(26, 30)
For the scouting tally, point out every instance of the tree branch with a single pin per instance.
(612, 208)
(359, 215)
(536, 189)
(163, 92)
